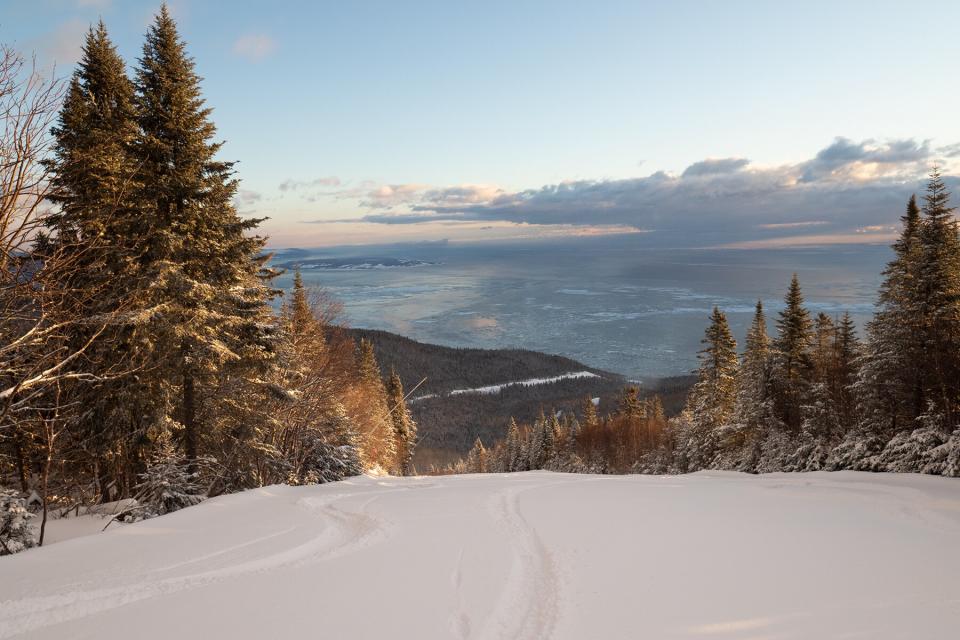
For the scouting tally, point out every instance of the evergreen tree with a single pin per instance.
(541, 443)
(311, 438)
(516, 458)
(213, 330)
(15, 532)
(889, 383)
(404, 428)
(168, 484)
(792, 361)
(655, 409)
(939, 299)
(377, 436)
(848, 352)
(632, 406)
(590, 417)
(711, 401)
(753, 411)
(823, 355)
(477, 458)
(93, 235)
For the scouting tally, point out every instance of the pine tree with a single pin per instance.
(169, 483)
(514, 449)
(711, 401)
(753, 411)
(15, 533)
(848, 352)
(93, 235)
(590, 417)
(939, 299)
(792, 361)
(632, 406)
(655, 409)
(311, 438)
(404, 428)
(213, 331)
(890, 387)
(477, 458)
(541, 443)
(377, 441)
(823, 353)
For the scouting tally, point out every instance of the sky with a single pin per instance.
(738, 123)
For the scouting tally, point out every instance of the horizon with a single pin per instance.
(573, 123)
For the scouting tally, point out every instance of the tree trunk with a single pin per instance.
(21, 460)
(190, 419)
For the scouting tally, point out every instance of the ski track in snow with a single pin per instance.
(530, 601)
(494, 564)
(342, 532)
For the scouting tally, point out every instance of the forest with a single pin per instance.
(142, 355)
(812, 396)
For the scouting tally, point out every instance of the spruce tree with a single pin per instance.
(590, 417)
(404, 428)
(516, 460)
(213, 330)
(753, 411)
(848, 352)
(889, 384)
(939, 299)
(378, 443)
(93, 243)
(477, 458)
(711, 401)
(792, 359)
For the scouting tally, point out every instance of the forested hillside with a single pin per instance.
(448, 424)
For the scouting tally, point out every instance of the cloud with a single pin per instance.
(793, 225)
(849, 190)
(248, 197)
(254, 46)
(711, 167)
(294, 185)
(391, 195)
(845, 159)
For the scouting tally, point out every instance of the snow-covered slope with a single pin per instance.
(533, 555)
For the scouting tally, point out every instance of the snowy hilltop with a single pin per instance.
(530, 555)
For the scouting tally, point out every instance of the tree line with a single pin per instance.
(812, 396)
(141, 355)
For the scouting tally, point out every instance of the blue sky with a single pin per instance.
(391, 121)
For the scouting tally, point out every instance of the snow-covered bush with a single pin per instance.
(15, 532)
(327, 452)
(909, 451)
(168, 484)
(944, 460)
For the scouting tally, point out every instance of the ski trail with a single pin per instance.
(459, 620)
(341, 533)
(530, 603)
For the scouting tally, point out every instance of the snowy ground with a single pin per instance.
(532, 555)
(529, 382)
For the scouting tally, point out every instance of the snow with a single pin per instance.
(529, 382)
(528, 555)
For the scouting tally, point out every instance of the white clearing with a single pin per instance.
(497, 388)
(530, 555)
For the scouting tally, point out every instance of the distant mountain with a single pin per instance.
(470, 393)
(306, 263)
